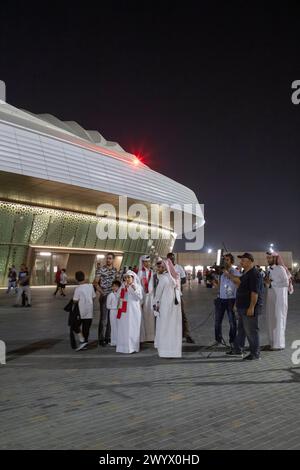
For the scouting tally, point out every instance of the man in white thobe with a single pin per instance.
(145, 275)
(168, 337)
(277, 283)
(185, 322)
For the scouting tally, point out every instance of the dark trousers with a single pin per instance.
(185, 323)
(57, 288)
(104, 323)
(247, 328)
(222, 306)
(84, 327)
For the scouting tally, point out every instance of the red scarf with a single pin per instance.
(146, 280)
(123, 302)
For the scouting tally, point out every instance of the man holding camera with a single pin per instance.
(226, 300)
(185, 322)
(249, 307)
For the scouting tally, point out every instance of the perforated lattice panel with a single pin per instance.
(22, 225)
(39, 228)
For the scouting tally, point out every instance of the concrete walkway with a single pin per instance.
(54, 398)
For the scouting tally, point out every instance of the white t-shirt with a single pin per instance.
(85, 294)
(63, 278)
(112, 301)
(179, 269)
(182, 274)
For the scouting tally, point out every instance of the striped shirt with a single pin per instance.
(106, 278)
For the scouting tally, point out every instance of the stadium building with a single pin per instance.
(53, 176)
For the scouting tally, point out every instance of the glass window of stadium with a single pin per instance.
(45, 267)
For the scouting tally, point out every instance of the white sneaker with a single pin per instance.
(82, 346)
(80, 337)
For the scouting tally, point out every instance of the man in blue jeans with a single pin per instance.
(249, 306)
(225, 302)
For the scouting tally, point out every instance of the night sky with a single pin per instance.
(202, 93)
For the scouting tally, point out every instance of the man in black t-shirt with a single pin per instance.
(249, 305)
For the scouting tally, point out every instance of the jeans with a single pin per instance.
(104, 323)
(11, 285)
(222, 306)
(27, 291)
(248, 328)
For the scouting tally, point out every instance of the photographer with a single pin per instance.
(226, 300)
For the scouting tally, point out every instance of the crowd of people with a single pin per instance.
(145, 303)
(19, 283)
(138, 306)
(242, 291)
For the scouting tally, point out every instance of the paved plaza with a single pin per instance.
(52, 397)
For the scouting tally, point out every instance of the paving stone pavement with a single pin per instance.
(54, 398)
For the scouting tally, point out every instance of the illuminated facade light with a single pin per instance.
(188, 268)
(199, 268)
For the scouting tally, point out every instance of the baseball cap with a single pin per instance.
(247, 255)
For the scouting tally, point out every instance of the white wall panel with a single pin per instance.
(34, 154)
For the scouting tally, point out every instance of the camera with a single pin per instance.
(220, 264)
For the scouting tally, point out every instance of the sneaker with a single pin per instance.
(266, 348)
(190, 340)
(82, 346)
(81, 337)
(249, 357)
(28, 305)
(216, 344)
(232, 352)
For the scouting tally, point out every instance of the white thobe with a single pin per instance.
(129, 325)
(168, 337)
(277, 306)
(112, 306)
(148, 318)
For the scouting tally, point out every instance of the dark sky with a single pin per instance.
(202, 92)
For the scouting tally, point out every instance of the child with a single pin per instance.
(129, 314)
(84, 294)
(112, 305)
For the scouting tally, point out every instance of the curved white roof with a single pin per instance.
(45, 147)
